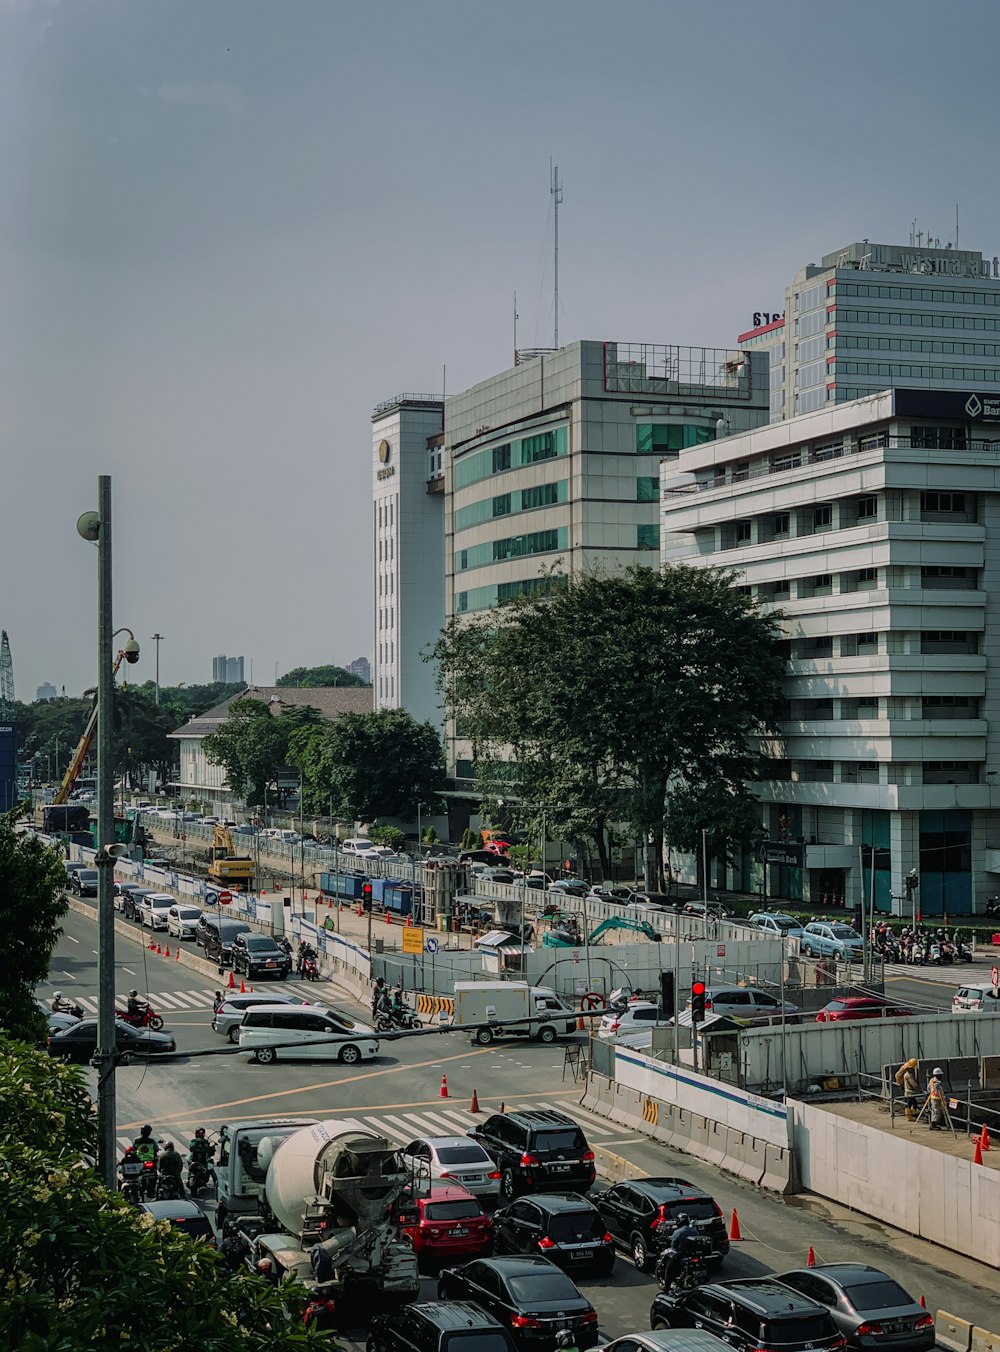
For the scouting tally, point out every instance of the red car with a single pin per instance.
(448, 1223)
(861, 1007)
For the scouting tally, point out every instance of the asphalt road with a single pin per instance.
(399, 1094)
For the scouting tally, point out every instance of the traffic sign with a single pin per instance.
(431, 945)
(413, 939)
(225, 898)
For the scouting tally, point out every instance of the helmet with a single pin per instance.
(130, 1150)
(200, 1132)
(937, 1071)
(565, 1339)
(132, 994)
(912, 1063)
(147, 1130)
(169, 1145)
(683, 1219)
(57, 995)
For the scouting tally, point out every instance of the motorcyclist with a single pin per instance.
(398, 1009)
(129, 1167)
(57, 1002)
(235, 1246)
(683, 1242)
(200, 1152)
(377, 993)
(135, 1006)
(565, 1342)
(145, 1144)
(171, 1165)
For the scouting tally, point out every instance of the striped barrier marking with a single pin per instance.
(651, 1112)
(436, 1004)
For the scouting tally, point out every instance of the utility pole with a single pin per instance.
(107, 1051)
(156, 639)
(556, 190)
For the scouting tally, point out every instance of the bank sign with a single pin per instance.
(954, 405)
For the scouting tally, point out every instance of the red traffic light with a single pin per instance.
(697, 988)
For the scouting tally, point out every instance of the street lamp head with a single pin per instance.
(89, 527)
(131, 651)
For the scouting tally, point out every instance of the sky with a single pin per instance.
(230, 228)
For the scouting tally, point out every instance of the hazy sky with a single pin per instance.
(229, 228)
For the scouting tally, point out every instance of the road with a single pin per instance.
(399, 1094)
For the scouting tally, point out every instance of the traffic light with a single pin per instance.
(366, 896)
(667, 1007)
(697, 1001)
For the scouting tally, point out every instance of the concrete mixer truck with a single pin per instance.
(328, 1205)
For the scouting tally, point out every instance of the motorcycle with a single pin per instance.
(147, 1183)
(395, 1017)
(146, 1018)
(199, 1176)
(693, 1271)
(963, 953)
(168, 1188)
(68, 1007)
(130, 1175)
(310, 971)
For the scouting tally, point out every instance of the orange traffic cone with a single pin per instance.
(978, 1158)
(151, 945)
(811, 1257)
(474, 1105)
(923, 1302)
(360, 909)
(159, 950)
(177, 952)
(984, 1137)
(734, 1229)
(232, 983)
(167, 954)
(388, 918)
(444, 1086)
(243, 989)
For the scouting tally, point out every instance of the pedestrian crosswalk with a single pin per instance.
(198, 1000)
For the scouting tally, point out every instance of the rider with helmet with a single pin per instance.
(145, 1144)
(200, 1152)
(171, 1165)
(683, 1242)
(565, 1341)
(129, 1168)
(135, 1005)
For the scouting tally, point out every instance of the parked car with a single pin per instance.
(641, 1214)
(531, 1296)
(447, 1223)
(433, 1326)
(59, 1022)
(132, 895)
(979, 996)
(456, 1158)
(153, 908)
(753, 1314)
(497, 874)
(277, 1032)
(83, 881)
(186, 1218)
(636, 1016)
(79, 1041)
(748, 1003)
(226, 1019)
(713, 910)
(570, 887)
(774, 922)
(667, 1340)
(182, 920)
(561, 1226)
(356, 846)
(257, 955)
(868, 1307)
(846, 1007)
(823, 940)
(215, 934)
(535, 1150)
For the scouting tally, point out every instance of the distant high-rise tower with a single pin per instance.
(45, 691)
(219, 667)
(234, 670)
(361, 667)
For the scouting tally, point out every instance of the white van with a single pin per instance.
(981, 998)
(305, 1033)
(357, 846)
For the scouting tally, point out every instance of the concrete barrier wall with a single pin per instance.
(913, 1187)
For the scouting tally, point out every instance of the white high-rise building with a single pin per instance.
(408, 502)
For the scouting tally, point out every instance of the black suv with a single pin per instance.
(642, 1213)
(537, 1151)
(131, 896)
(84, 882)
(216, 935)
(258, 955)
(434, 1326)
(562, 1226)
(751, 1314)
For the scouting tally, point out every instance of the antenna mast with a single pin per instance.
(556, 190)
(6, 678)
(515, 328)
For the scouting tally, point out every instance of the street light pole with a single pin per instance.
(156, 640)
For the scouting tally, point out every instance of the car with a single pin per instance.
(435, 1326)
(257, 955)
(530, 1295)
(215, 934)
(186, 1218)
(79, 1041)
(209, 821)
(446, 1223)
(228, 1014)
(846, 1007)
(457, 1158)
(279, 1031)
(496, 874)
(570, 887)
(561, 1226)
(152, 909)
(132, 895)
(712, 910)
(641, 1215)
(775, 922)
(747, 1003)
(636, 1016)
(182, 920)
(83, 881)
(356, 846)
(118, 895)
(980, 996)
(868, 1307)
(536, 1149)
(621, 896)
(820, 939)
(61, 1021)
(668, 1340)
(752, 1314)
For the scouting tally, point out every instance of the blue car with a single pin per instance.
(823, 940)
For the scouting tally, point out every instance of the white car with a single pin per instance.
(774, 922)
(637, 1015)
(153, 909)
(277, 1032)
(457, 1159)
(182, 920)
(229, 1015)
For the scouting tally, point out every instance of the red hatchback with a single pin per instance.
(861, 1007)
(448, 1223)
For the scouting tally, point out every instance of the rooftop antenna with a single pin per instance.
(515, 328)
(956, 225)
(556, 190)
(913, 232)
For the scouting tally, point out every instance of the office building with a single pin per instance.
(362, 668)
(227, 669)
(871, 317)
(873, 525)
(408, 549)
(46, 691)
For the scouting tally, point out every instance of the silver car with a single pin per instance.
(229, 1015)
(455, 1159)
(746, 1002)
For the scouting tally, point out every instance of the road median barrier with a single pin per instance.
(953, 1333)
(984, 1341)
(615, 1168)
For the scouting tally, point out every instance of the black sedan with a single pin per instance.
(561, 1226)
(79, 1041)
(84, 882)
(868, 1307)
(529, 1296)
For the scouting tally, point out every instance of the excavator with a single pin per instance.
(563, 939)
(224, 864)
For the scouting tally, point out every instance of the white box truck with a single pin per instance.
(491, 1009)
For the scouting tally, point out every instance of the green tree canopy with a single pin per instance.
(315, 676)
(381, 764)
(616, 697)
(252, 745)
(32, 902)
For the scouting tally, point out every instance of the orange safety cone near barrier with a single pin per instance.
(978, 1157)
(474, 1105)
(151, 945)
(232, 983)
(811, 1257)
(167, 954)
(734, 1228)
(159, 950)
(243, 989)
(984, 1137)
(444, 1086)
(923, 1302)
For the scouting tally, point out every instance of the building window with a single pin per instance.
(948, 641)
(743, 532)
(667, 439)
(822, 516)
(779, 591)
(949, 706)
(780, 524)
(868, 507)
(938, 438)
(947, 504)
(501, 458)
(647, 537)
(810, 648)
(947, 578)
(789, 460)
(647, 490)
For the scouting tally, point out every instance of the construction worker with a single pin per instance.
(935, 1097)
(906, 1078)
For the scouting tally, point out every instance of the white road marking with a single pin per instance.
(71, 939)
(129, 970)
(69, 976)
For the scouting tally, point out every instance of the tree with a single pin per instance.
(389, 836)
(612, 695)
(382, 764)
(32, 902)
(252, 745)
(319, 676)
(83, 1270)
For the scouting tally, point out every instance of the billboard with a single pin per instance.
(8, 765)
